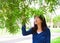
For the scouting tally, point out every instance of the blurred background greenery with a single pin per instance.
(57, 40)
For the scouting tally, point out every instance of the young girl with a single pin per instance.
(40, 31)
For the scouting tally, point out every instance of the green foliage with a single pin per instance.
(11, 24)
(9, 12)
(1, 21)
(56, 19)
(52, 4)
(13, 10)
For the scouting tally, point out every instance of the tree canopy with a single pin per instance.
(12, 11)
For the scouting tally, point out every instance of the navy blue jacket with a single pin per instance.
(43, 37)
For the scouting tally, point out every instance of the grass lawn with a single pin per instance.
(57, 40)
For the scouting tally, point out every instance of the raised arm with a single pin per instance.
(24, 32)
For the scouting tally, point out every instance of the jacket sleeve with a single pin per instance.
(24, 32)
(48, 36)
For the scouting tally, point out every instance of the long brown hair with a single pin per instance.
(44, 25)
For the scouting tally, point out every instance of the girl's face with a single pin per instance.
(37, 20)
